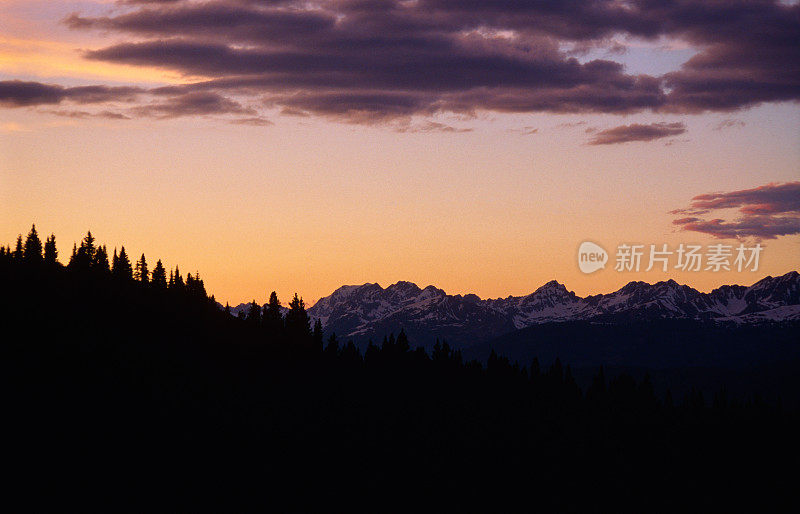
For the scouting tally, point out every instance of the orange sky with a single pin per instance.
(309, 204)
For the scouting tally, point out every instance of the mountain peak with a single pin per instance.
(404, 285)
(553, 284)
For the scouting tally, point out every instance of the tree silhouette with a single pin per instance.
(177, 280)
(159, 277)
(83, 257)
(253, 313)
(50, 251)
(100, 260)
(298, 324)
(194, 285)
(140, 272)
(273, 319)
(33, 247)
(18, 254)
(122, 266)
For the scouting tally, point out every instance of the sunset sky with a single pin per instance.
(472, 145)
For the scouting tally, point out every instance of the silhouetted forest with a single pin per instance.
(129, 388)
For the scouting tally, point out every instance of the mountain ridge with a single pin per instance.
(369, 310)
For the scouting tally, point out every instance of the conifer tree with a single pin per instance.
(177, 280)
(122, 267)
(198, 289)
(18, 254)
(140, 272)
(50, 251)
(83, 257)
(273, 319)
(33, 247)
(159, 276)
(298, 327)
(254, 314)
(100, 262)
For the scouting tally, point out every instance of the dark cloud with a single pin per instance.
(749, 54)
(193, 104)
(758, 227)
(170, 102)
(18, 93)
(255, 121)
(432, 126)
(766, 212)
(372, 60)
(109, 115)
(767, 199)
(637, 132)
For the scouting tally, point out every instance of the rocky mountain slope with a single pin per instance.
(371, 311)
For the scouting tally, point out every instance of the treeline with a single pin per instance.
(92, 258)
(90, 263)
(124, 392)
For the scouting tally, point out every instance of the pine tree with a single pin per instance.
(254, 314)
(200, 287)
(18, 253)
(195, 287)
(50, 251)
(86, 249)
(298, 327)
(100, 262)
(33, 247)
(159, 276)
(83, 257)
(273, 319)
(122, 266)
(177, 280)
(140, 272)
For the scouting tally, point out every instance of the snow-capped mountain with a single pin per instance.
(369, 310)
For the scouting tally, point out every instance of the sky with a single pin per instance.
(300, 146)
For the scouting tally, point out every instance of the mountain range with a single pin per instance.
(369, 311)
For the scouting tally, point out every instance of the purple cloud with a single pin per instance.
(767, 212)
(18, 93)
(637, 132)
(372, 61)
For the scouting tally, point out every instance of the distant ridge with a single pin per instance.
(371, 311)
